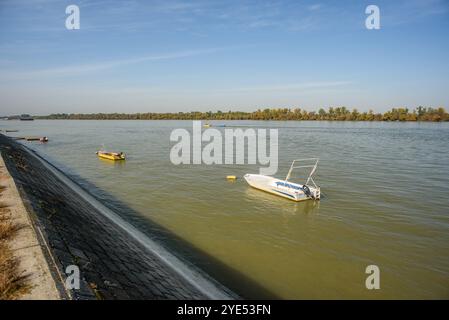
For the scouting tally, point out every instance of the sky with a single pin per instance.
(172, 56)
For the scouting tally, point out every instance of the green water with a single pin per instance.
(385, 186)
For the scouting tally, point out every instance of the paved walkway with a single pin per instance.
(113, 264)
(26, 247)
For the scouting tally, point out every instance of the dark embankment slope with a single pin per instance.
(113, 262)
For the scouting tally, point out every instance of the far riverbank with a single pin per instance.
(279, 114)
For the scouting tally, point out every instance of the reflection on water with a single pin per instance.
(385, 189)
(282, 205)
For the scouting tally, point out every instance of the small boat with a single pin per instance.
(33, 138)
(111, 155)
(284, 188)
(206, 125)
(43, 139)
(26, 117)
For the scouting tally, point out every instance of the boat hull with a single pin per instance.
(282, 188)
(110, 156)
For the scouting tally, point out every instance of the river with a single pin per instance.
(385, 202)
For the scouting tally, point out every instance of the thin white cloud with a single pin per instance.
(409, 11)
(271, 88)
(315, 7)
(286, 87)
(87, 68)
(294, 86)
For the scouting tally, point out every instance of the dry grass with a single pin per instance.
(7, 229)
(4, 214)
(12, 284)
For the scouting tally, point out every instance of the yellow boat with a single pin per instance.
(111, 155)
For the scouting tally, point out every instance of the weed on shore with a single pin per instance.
(12, 284)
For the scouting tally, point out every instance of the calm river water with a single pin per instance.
(386, 202)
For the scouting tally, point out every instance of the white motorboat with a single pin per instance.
(285, 188)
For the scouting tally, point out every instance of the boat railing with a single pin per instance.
(305, 163)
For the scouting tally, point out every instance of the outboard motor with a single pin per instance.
(307, 191)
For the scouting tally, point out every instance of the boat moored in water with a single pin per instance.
(284, 188)
(26, 117)
(111, 155)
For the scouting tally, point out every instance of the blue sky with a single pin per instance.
(170, 56)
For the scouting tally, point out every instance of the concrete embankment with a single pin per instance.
(116, 261)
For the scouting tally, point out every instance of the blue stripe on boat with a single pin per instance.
(284, 193)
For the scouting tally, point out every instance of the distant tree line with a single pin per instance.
(332, 114)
